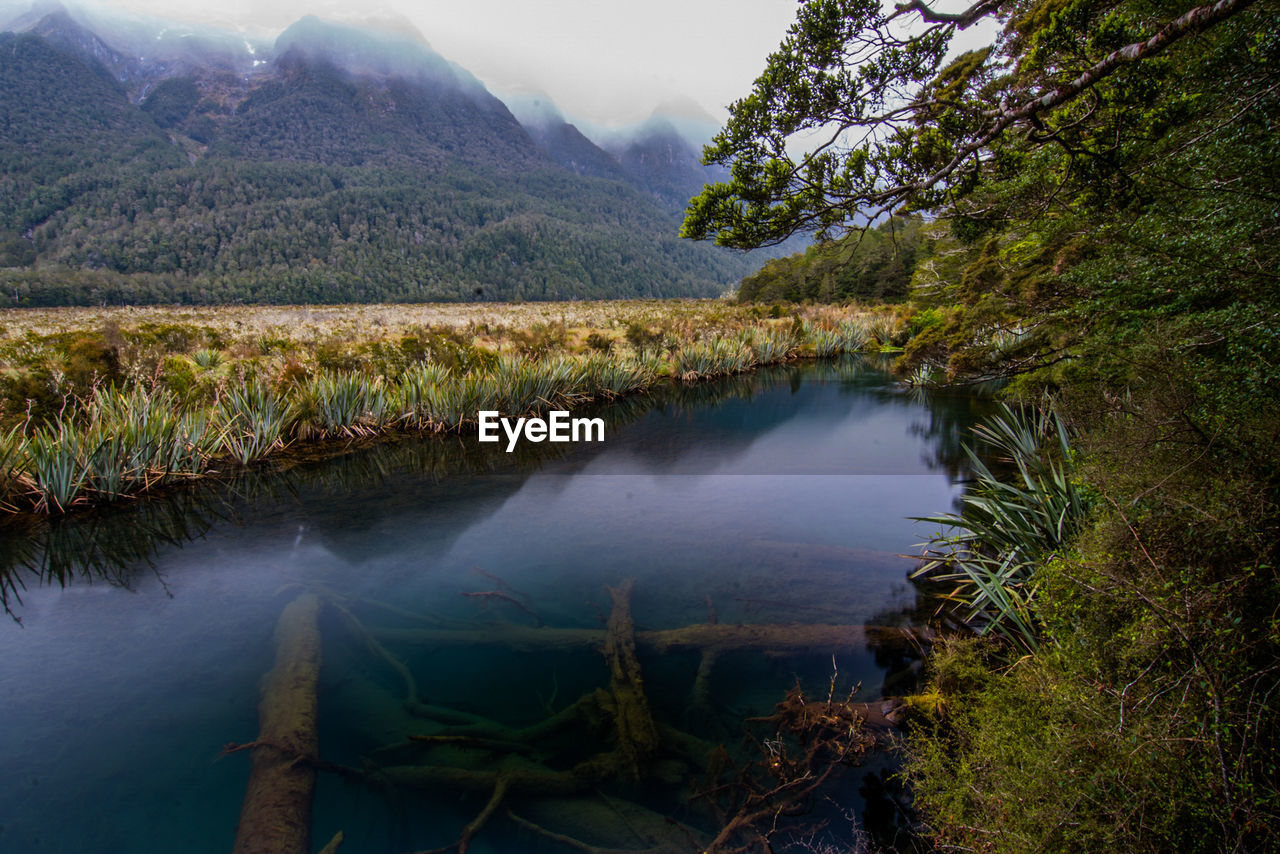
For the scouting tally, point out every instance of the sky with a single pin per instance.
(605, 61)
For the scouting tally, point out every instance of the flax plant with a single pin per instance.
(769, 347)
(56, 461)
(412, 397)
(1008, 527)
(602, 376)
(524, 386)
(713, 358)
(139, 439)
(252, 421)
(344, 405)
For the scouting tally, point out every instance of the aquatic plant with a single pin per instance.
(1007, 528)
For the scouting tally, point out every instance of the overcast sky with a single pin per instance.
(607, 61)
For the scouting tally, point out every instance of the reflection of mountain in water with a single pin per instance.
(760, 423)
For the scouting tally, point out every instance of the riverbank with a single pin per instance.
(101, 404)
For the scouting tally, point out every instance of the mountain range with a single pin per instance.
(336, 163)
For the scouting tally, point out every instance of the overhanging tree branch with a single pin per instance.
(916, 148)
(964, 19)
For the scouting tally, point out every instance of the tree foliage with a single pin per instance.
(901, 123)
(877, 265)
(1104, 179)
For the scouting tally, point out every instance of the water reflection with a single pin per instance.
(464, 586)
(723, 427)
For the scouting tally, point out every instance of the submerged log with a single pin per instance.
(764, 637)
(275, 817)
(633, 722)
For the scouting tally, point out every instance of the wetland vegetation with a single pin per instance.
(101, 404)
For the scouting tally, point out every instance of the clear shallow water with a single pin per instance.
(780, 497)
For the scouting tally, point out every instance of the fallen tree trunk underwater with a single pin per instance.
(530, 777)
(275, 817)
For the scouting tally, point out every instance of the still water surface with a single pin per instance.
(136, 648)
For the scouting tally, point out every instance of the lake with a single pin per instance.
(464, 586)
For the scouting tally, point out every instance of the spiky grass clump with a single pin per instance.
(132, 442)
(208, 359)
(142, 438)
(927, 374)
(55, 459)
(252, 421)
(600, 376)
(12, 479)
(1007, 528)
(768, 346)
(413, 396)
(854, 336)
(523, 386)
(343, 404)
(714, 358)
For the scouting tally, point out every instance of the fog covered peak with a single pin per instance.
(386, 47)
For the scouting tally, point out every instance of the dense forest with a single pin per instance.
(1104, 181)
(876, 265)
(313, 181)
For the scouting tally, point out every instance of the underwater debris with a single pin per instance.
(275, 817)
(503, 592)
(547, 780)
(637, 735)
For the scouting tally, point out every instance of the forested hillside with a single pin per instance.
(876, 264)
(351, 166)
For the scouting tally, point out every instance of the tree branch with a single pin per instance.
(962, 20)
